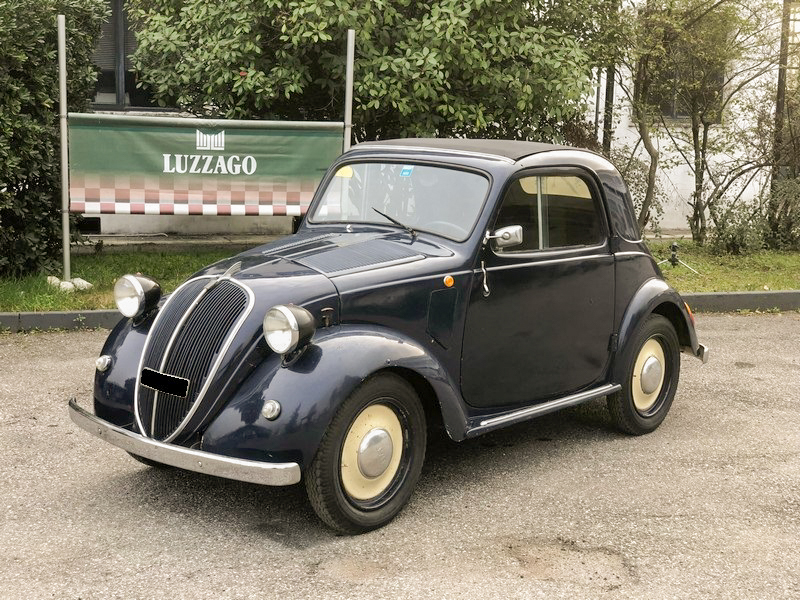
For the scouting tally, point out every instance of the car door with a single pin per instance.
(540, 316)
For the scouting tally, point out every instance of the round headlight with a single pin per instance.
(285, 327)
(135, 294)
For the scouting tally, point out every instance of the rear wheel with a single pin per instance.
(653, 367)
(370, 458)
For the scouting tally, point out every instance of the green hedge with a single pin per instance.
(30, 186)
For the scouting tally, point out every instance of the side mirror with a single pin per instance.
(505, 237)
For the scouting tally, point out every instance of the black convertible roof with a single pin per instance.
(511, 149)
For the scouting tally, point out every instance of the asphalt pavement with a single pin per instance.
(708, 506)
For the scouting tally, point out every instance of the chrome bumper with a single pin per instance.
(703, 353)
(252, 471)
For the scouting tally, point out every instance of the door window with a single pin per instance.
(554, 211)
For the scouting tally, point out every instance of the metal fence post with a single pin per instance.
(62, 115)
(348, 94)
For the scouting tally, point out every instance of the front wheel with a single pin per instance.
(370, 457)
(652, 369)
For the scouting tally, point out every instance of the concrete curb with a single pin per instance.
(85, 319)
(733, 301)
(701, 302)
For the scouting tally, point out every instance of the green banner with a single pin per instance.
(156, 165)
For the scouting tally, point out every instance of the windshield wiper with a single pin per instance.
(396, 222)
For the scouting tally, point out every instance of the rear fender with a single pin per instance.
(311, 388)
(655, 296)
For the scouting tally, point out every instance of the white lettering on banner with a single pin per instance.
(205, 164)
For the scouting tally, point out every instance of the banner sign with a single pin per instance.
(172, 166)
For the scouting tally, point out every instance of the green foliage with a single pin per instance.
(740, 228)
(447, 67)
(30, 205)
(784, 218)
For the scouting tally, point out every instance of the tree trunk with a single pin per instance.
(697, 223)
(652, 152)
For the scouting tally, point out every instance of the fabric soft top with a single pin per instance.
(511, 149)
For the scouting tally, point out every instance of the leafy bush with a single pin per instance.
(450, 67)
(739, 228)
(784, 218)
(30, 204)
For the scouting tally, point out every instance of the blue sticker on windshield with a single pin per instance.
(406, 172)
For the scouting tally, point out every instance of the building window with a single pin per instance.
(116, 81)
(706, 98)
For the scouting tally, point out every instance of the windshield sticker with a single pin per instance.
(346, 172)
(406, 172)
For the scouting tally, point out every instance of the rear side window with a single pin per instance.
(555, 211)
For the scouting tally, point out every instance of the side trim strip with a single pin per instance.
(542, 409)
(252, 471)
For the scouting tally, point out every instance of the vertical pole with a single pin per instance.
(348, 92)
(780, 96)
(118, 16)
(62, 116)
(597, 105)
(608, 116)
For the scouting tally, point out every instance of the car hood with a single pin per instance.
(314, 269)
(332, 254)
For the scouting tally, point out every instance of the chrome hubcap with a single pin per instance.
(371, 452)
(375, 453)
(648, 375)
(652, 372)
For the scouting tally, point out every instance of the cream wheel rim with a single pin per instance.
(374, 443)
(648, 375)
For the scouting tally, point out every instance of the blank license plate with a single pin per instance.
(166, 384)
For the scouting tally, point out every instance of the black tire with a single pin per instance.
(148, 462)
(342, 496)
(633, 409)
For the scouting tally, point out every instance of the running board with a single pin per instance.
(541, 409)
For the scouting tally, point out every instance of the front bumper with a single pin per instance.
(252, 471)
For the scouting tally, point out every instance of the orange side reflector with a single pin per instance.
(689, 310)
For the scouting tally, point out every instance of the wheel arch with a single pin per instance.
(672, 313)
(654, 296)
(424, 390)
(311, 389)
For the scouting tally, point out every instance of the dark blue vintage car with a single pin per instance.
(486, 281)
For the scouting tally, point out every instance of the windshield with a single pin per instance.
(420, 197)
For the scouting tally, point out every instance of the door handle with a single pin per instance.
(486, 290)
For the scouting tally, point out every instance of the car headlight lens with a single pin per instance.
(135, 295)
(286, 327)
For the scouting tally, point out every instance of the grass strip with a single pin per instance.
(766, 270)
(170, 269)
(760, 271)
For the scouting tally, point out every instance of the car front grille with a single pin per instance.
(188, 340)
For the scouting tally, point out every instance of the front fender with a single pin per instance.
(654, 296)
(311, 388)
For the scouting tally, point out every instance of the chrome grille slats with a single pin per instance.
(168, 319)
(194, 342)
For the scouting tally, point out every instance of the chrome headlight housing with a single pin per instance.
(287, 327)
(135, 295)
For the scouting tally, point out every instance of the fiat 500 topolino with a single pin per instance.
(480, 282)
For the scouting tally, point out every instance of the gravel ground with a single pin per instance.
(708, 506)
